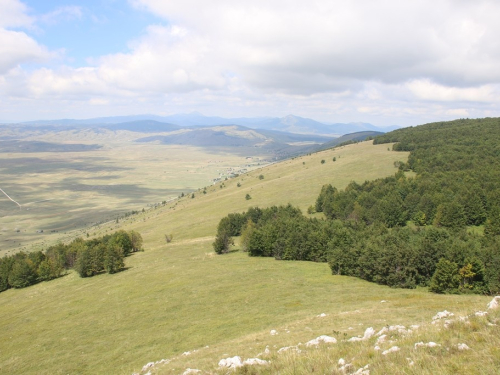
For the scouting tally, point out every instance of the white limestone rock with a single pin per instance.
(392, 349)
(231, 362)
(323, 338)
(494, 303)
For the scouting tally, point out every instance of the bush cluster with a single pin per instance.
(456, 186)
(88, 258)
(399, 257)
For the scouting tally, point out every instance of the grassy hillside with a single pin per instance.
(179, 297)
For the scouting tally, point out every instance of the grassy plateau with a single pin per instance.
(181, 303)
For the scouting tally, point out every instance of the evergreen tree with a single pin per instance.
(446, 278)
(222, 242)
(492, 227)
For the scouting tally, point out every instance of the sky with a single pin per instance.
(386, 62)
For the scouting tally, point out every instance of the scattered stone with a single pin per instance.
(369, 332)
(255, 361)
(235, 362)
(363, 371)
(289, 348)
(273, 332)
(480, 313)
(463, 347)
(383, 301)
(442, 315)
(191, 371)
(376, 348)
(323, 338)
(391, 350)
(346, 368)
(381, 339)
(410, 362)
(430, 344)
(494, 303)
(231, 362)
(266, 351)
(398, 328)
(186, 353)
(341, 362)
(322, 315)
(147, 366)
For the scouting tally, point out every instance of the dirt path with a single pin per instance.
(10, 198)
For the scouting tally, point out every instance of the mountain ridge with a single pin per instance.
(290, 123)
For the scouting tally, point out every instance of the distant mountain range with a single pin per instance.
(153, 123)
(275, 137)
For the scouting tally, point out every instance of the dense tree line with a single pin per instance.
(400, 257)
(87, 257)
(456, 186)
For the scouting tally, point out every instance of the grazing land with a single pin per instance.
(181, 302)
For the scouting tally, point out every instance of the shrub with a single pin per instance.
(445, 278)
(113, 259)
(23, 273)
(222, 242)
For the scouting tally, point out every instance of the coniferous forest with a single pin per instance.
(435, 223)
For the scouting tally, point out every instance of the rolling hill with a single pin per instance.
(289, 124)
(178, 306)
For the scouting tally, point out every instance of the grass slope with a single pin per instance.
(180, 297)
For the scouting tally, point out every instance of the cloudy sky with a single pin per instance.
(385, 62)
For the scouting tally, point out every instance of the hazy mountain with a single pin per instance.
(354, 127)
(224, 136)
(289, 124)
(346, 138)
(144, 126)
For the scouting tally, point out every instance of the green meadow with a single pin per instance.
(180, 302)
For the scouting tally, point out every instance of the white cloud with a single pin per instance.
(164, 60)
(16, 47)
(98, 101)
(64, 13)
(298, 46)
(427, 90)
(389, 60)
(13, 13)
